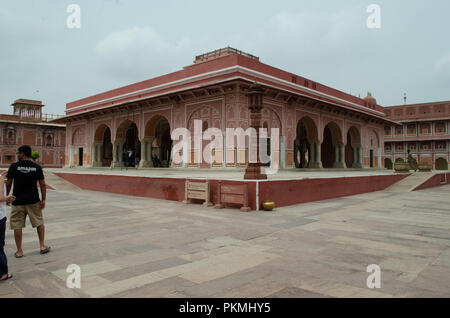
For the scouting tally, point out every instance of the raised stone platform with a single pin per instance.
(287, 187)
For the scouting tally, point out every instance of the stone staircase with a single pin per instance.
(58, 183)
(409, 183)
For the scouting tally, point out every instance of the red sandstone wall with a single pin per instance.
(284, 193)
(291, 192)
(436, 180)
(158, 188)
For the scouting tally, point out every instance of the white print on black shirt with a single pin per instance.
(26, 169)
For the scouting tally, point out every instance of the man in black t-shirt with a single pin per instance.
(25, 174)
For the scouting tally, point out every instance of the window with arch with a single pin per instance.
(11, 136)
(49, 141)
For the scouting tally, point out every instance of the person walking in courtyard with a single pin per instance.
(4, 273)
(130, 158)
(137, 159)
(24, 175)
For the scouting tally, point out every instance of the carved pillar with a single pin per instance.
(120, 151)
(361, 158)
(115, 161)
(339, 158)
(357, 155)
(144, 156)
(342, 163)
(255, 104)
(117, 154)
(296, 148)
(317, 161)
(146, 159)
(95, 154)
(312, 156)
(336, 156)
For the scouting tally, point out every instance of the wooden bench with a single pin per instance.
(197, 190)
(233, 194)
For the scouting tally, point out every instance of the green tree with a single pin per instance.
(412, 162)
(35, 155)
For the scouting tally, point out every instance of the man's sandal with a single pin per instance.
(45, 250)
(18, 256)
(6, 278)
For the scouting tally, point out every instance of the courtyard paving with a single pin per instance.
(140, 247)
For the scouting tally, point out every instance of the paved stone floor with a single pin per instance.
(139, 247)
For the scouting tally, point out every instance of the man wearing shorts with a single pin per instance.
(25, 174)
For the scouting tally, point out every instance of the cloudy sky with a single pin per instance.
(126, 41)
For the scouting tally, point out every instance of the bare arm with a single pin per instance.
(43, 193)
(8, 186)
(8, 199)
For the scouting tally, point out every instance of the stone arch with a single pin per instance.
(204, 113)
(150, 126)
(78, 137)
(376, 139)
(210, 116)
(305, 144)
(100, 131)
(388, 164)
(270, 119)
(157, 143)
(374, 149)
(48, 141)
(332, 148)
(441, 164)
(127, 146)
(102, 149)
(10, 137)
(353, 148)
(271, 116)
(76, 155)
(399, 160)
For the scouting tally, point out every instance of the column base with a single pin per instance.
(115, 164)
(316, 165)
(144, 164)
(339, 165)
(357, 165)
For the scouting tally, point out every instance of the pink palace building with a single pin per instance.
(423, 130)
(29, 126)
(320, 127)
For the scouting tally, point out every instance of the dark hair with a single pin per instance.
(26, 150)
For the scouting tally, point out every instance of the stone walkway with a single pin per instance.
(139, 247)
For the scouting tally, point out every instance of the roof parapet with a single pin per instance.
(221, 53)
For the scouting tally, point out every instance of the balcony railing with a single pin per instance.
(50, 117)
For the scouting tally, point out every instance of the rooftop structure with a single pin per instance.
(217, 67)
